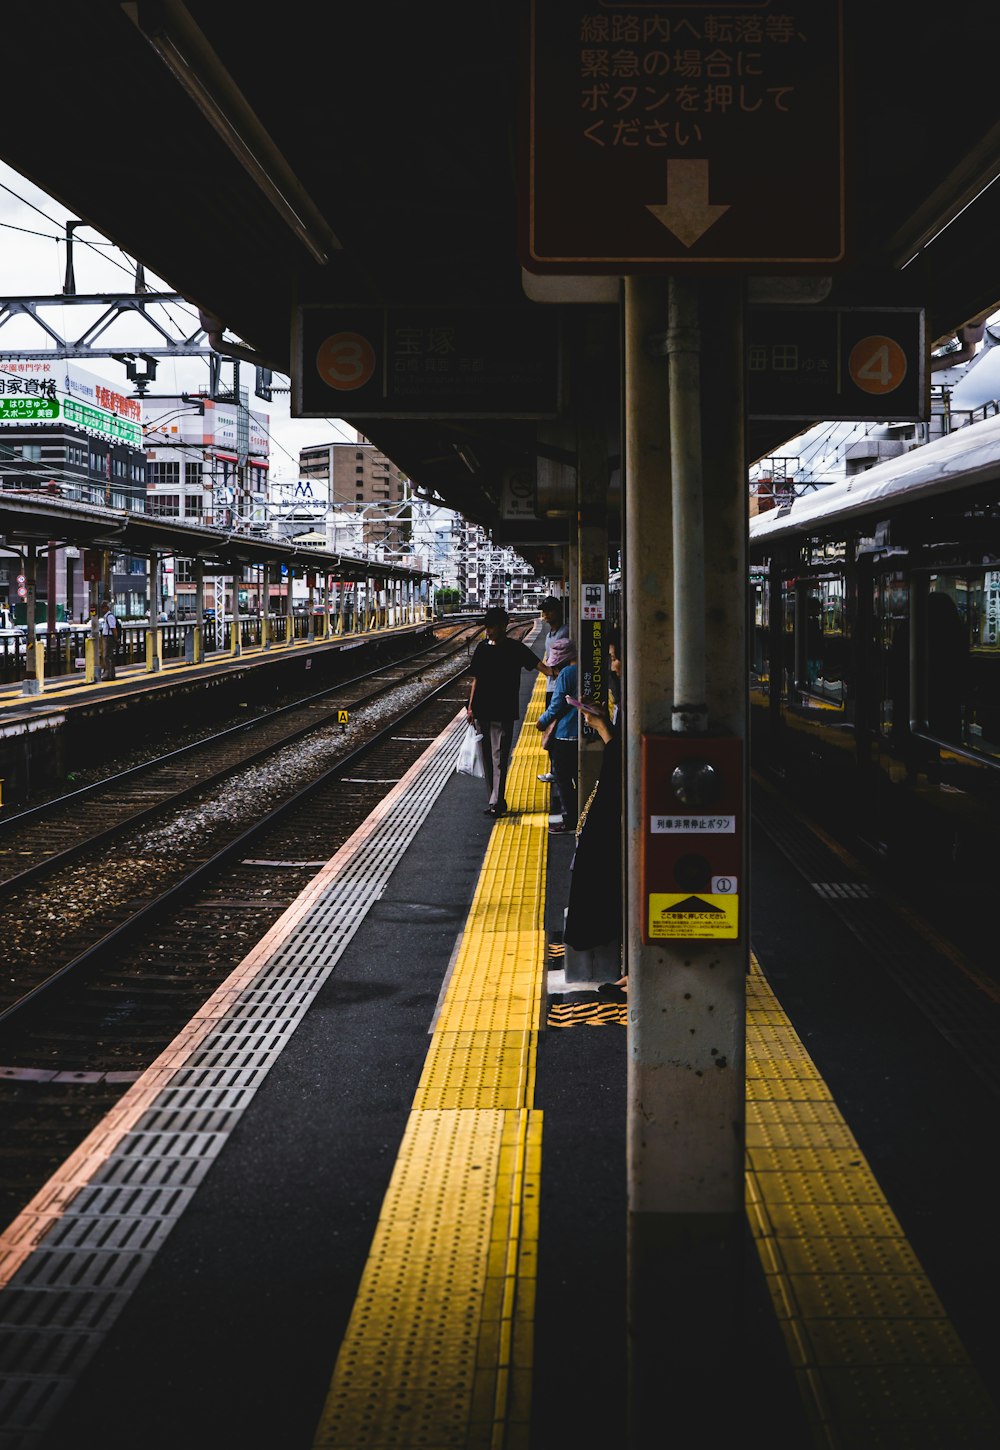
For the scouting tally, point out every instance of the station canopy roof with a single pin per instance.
(36, 518)
(359, 156)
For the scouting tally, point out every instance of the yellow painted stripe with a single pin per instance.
(439, 1347)
(877, 1360)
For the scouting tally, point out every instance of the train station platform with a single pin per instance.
(375, 1193)
(64, 691)
(73, 721)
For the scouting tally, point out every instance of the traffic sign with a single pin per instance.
(425, 362)
(662, 136)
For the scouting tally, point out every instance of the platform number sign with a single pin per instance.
(877, 364)
(346, 361)
(425, 361)
(836, 363)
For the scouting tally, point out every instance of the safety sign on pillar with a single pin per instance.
(692, 843)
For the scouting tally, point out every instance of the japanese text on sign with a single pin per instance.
(649, 80)
(724, 825)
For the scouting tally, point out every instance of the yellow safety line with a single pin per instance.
(877, 1360)
(439, 1347)
(129, 674)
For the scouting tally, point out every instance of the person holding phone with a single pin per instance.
(563, 746)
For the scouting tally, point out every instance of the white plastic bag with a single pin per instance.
(469, 761)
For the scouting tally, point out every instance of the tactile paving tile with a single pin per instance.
(473, 1069)
(438, 1351)
(878, 1362)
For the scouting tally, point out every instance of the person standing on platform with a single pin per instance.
(594, 908)
(108, 629)
(551, 610)
(563, 744)
(494, 703)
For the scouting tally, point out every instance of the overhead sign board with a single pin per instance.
(837, 363)
(663, 136)
(425, 362)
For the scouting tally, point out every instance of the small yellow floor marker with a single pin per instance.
(878, 1362)
(438, 1350)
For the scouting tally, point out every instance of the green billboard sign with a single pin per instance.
(31, 409)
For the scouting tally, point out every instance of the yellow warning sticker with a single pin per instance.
(342, 717)
(695, 916)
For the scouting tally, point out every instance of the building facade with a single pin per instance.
(489, 575)
(359, 482)
(66, 431)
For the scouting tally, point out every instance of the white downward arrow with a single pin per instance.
(686, 211)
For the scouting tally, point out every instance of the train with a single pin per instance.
(874, 658)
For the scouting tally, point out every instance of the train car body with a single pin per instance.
(875, 657)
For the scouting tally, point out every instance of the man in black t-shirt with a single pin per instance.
(494, 702)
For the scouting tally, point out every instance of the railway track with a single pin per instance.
(116, 952)
(48, 837)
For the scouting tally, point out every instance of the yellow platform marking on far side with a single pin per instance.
(877, 1360)
(439, 1347)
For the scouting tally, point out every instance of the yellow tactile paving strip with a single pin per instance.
(438, 1350)
(878, 1362)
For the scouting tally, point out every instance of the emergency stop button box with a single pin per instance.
(692, 836)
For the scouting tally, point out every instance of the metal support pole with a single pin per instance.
(686, 1053)
(310, 622)
(683, 345)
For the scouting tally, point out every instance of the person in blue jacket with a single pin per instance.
(563, 744)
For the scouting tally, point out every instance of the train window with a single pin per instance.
(821, 644)
(760, 595)
(956, 693)
(963, 659)
(983, 707)
(892, 614)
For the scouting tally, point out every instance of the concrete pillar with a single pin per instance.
(593, 474)
(199, 611)
(342, 605)
(34, 668)
(154, 638)
(686, 1091)
(236, 629)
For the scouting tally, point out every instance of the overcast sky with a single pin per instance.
(33, 257)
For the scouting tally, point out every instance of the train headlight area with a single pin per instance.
(368, 1164)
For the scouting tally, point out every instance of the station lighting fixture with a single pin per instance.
(183, 48)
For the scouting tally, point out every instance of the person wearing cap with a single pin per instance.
(563, 745)
(494, 703)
